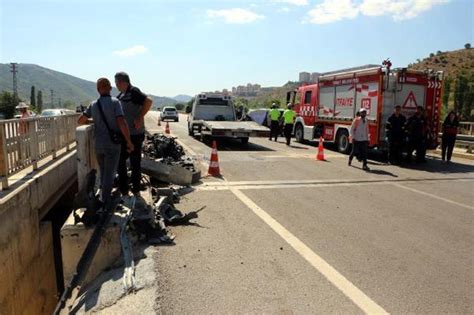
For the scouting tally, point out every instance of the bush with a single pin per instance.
(467, 46)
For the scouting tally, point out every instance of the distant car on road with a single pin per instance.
(169, 113)
(56, 112)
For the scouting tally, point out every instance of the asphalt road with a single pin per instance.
(284, 233)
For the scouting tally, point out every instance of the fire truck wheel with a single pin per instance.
(343, 144)
(299, 133)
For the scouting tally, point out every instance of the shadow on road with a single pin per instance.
(237, 145)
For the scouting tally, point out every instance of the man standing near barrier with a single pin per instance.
(274, 118)
(135, 106)
(110, 128)
(360, 139)
(289, 117)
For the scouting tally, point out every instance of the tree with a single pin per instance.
(447, 91)
(33, 98)
(432, 55)
(8, 103)
(439, 52)
(459, 93)
(39, 101)
(69, 104)
(467, 46)
(179, 106)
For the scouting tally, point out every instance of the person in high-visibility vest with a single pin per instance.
(289, 117)
(274, 118)
(360, 139)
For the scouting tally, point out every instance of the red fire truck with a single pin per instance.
(328, 107)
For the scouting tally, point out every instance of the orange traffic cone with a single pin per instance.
(159, 121)
(167, 128)
(214, 163)
(320, 156)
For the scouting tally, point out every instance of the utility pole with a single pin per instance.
(59, 102)
(14, 70)
(52, 98)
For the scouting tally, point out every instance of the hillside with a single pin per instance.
(458, 67)
(182, 98)
(65, 86)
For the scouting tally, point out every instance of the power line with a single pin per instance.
(14, 71)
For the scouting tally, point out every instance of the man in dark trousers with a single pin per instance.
(416, 129)
(450, 130)
(395, 130)
(274, 118)
(107, 116)
(135, 106)
(289, 117)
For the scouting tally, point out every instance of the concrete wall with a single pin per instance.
(27, 273)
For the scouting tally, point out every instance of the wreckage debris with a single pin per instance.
(165, 161)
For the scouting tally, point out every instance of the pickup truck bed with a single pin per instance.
(234, 129)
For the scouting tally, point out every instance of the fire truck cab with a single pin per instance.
(326, 109)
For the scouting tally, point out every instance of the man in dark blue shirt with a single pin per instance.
(135, 106)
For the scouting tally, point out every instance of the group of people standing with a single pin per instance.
(119, 134)
(278, 119)
(413, 134)
(402, 133)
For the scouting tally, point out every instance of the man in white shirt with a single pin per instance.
(360, 138)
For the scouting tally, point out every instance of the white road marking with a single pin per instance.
(364, 302)
(435, 196)
(268, 184)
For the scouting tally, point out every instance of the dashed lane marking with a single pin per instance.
(359, 298)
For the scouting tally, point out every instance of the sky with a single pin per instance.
(186, 47)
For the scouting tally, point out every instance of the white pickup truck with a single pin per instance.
(213, 115)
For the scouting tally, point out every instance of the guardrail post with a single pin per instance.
(3, 158)
(34, 145)
(55, 136)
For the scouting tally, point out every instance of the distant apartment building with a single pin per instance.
(314, 77)
(305, 77)
(246, 90)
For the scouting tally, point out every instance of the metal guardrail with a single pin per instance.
(25, 142)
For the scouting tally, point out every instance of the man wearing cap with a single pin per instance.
(135, 106)
(274, 118)
(107, 116)
(289, 117)
(360, 139)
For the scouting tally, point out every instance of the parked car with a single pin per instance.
(169, 113)
(56, 112)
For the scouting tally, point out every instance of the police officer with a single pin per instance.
(416, 128)
(135, 106)
(289, 117)
(274, 118)
(395, 130)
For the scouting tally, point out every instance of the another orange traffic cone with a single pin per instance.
(214, 163)
(320, 156)
(159, 121)
(167, 128)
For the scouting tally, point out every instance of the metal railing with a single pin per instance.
(25, 142)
